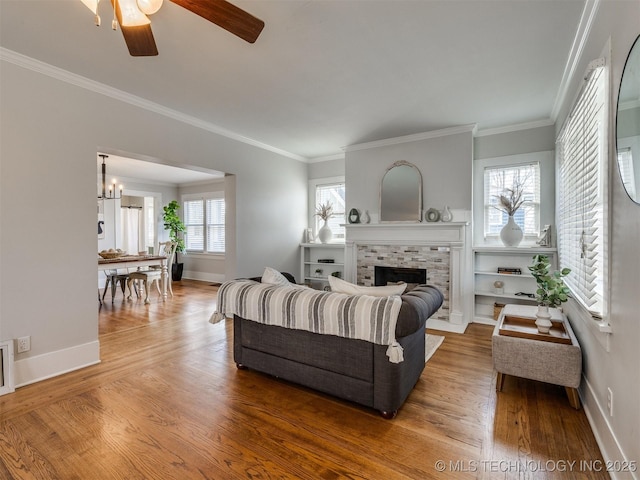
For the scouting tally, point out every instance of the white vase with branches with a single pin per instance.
(509, 201)
(325, 212)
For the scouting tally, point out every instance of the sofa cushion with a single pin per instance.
(274, 277)
(341, 286)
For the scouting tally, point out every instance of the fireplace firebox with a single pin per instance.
(411, 276)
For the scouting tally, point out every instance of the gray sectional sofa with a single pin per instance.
(351, 369)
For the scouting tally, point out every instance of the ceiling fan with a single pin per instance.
(132, 17)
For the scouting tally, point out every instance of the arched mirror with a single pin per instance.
(628, 124)
(401, 193)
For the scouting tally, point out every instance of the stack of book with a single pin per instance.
(510, 271)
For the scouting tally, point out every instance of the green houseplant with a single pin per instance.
(551, 292)
(173, 223)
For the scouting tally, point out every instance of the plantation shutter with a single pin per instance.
(193, 220)
(215, 225)
(582, 192)
(333, 193)
(496, 179)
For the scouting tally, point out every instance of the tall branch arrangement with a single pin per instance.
(511, 198)
(324, 211)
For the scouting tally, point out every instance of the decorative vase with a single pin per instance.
(511, 234)
(446, 215)
(543, 319)
(366, 218)
(325, 234)
(354, 216)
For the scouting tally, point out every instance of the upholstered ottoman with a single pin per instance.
(519, 350)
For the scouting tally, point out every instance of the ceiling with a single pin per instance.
(323, 74)
(124, 170)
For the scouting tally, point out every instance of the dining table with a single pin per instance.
(137, 262)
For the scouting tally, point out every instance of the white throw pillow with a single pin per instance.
(341, 286)
(274, 277)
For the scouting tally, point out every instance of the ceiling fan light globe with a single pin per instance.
(131, 14)
(149, 7)
(92, 5)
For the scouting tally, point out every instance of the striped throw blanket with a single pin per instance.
(359, 317)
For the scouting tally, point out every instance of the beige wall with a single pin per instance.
(51, 131)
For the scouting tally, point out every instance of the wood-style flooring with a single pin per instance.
(167, 402)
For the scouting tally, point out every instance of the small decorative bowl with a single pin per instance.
(111, 255)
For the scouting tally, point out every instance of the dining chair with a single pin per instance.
(154, 275)
(114, 278)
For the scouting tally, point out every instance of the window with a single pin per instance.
(625, 160)
(496, 181)
(583, 192)
(204, 219)
(333, 193)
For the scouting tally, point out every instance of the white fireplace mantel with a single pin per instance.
(453, 235)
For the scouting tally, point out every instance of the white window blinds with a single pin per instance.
(625, 161)
(582, 193)
(215, 225)
(335, 194)
(204, 219)
(496, 180)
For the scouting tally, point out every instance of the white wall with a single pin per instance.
(201, 266)
(445, 162)
(51, 131)
(613, 361)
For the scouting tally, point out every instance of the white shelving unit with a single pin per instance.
(310, 256)
(486, 261)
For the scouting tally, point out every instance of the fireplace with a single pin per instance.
(411, 276)
(440, 249)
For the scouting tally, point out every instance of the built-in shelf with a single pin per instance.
(311, 253)
(486, 261)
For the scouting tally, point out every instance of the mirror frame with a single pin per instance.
(418, 214)
(634, 50)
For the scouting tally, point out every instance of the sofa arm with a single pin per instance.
(417, 306)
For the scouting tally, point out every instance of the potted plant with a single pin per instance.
(325, 212)
(551, 292)
(173, 223)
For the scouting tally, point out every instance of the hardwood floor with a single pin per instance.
(168, 402)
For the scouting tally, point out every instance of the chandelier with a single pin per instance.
(109, 193)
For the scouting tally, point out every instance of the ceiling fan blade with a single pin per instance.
(139, 38)
(140, 41)
(227, 16)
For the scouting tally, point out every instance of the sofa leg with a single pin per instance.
(240, 366)
(574, 398)
(388, 415)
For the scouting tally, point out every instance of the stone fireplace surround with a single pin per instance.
(440, 248)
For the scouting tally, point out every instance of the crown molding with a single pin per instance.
(412, 138)
(327, 158)
(579, 42)
(515, 128)
(43, 68)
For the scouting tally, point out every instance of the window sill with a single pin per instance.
(204, 256)
(599, 329)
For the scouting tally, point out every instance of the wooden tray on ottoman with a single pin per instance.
(522, 327)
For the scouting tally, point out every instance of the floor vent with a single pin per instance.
(6, 367)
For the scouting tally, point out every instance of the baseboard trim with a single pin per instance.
(603, 433)
(204, 276)
(435, 324)
(41, 367)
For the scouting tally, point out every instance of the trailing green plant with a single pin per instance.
(552, 290)
(173, 223)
